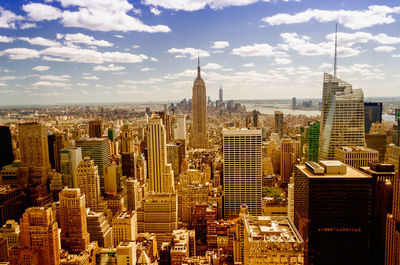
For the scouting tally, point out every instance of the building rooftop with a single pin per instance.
(271, 229)
(349, 172)
(357, 149)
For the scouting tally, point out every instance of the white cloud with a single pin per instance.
(20, 53)
(119, 36)
(39, 12)
(155, 11)
(7, 77)
(135, 46)
(353, 19)
(396, 55)
(248, 65)
(52, 59)
(41, 68)
(27, 25)
(8, 18)
(325, 66)
(40, 41)
(146, 69)
(303, 45)
(190, 5)
(281, 60)
(361, 71)
(6, 39)
(73, 54)
(110, 67)
(82, 84)
(96, 15)
(51, 84)
(60, 78)
(153, 59)
(143, 82)
(385, 49)
(85, 39)
(190, 51)
(220, 44)
(212, 66)
(90, 77)
(254, 50)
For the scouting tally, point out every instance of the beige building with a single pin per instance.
(158, 215)
(342, 117)
(199, 113)
(287, 159)
(274, 206)
(124, 227)
(126, 253)
(356, 156)
(159, 179)
(180, 246)
(272, 240)
(10, 231)
(73, 223)
(88, 182)
(33, 148)
(242, 170)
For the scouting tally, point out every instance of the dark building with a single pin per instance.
(372, 114)
(12, 203)
(95, 129)
(332, 211)
(377, 142)
(6, 152)
(383, 176)
(294, 103)
(396, 128)
(255, 119)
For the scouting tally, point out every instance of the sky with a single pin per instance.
(94, 51)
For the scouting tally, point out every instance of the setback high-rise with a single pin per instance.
(342, 117)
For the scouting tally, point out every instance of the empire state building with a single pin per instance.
(199, 113)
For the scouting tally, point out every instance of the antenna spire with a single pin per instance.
(335, 59)
(198, 64)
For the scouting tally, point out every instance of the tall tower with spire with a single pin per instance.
(199, 112)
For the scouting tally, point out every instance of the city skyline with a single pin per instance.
(65, 52)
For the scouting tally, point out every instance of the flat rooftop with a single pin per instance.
(350, 172)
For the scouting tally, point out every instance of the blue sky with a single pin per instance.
(79, 51)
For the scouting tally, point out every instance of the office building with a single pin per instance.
(242, 173)
(13, 203)
(132, 194)
(392, 246)
(287, 159)
(356, 156)
(10, 231)
(180, 133)
(383, 177)
(126, 253)
(158, 214)
(88, 182)
(256, 119)
(73, 223)
(342, 114)
(221, 94)
(40, 230)
(325, 196)
(199, 113)
(6, 150)
(99, 229)
(272, 240)
(56, 142)
(180, 246)
(95, 129)
(124, 227)
(9, 175)
(128, 154)
(33, 147)
(97, 149)
(278, 125)
(309, 143)
(69, 160)
(372, 114)
(160, 180)
(377, 139)
(294, 103)
(175, 155)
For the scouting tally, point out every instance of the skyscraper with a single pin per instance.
(342, 117)
(221, 94)
(392, 250)
(242, 170)
(159, 179)
(128, 154)
(39, 230)
(97, 149)
(310, 141)
(35, 165)
(6, 152)
(181, 127)
(278, 127)
(88, 182)
(74, 235)
(326, 195)
(69, 161)
(287, 159)
(95, 129)
(199, 113)
(372, 114)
